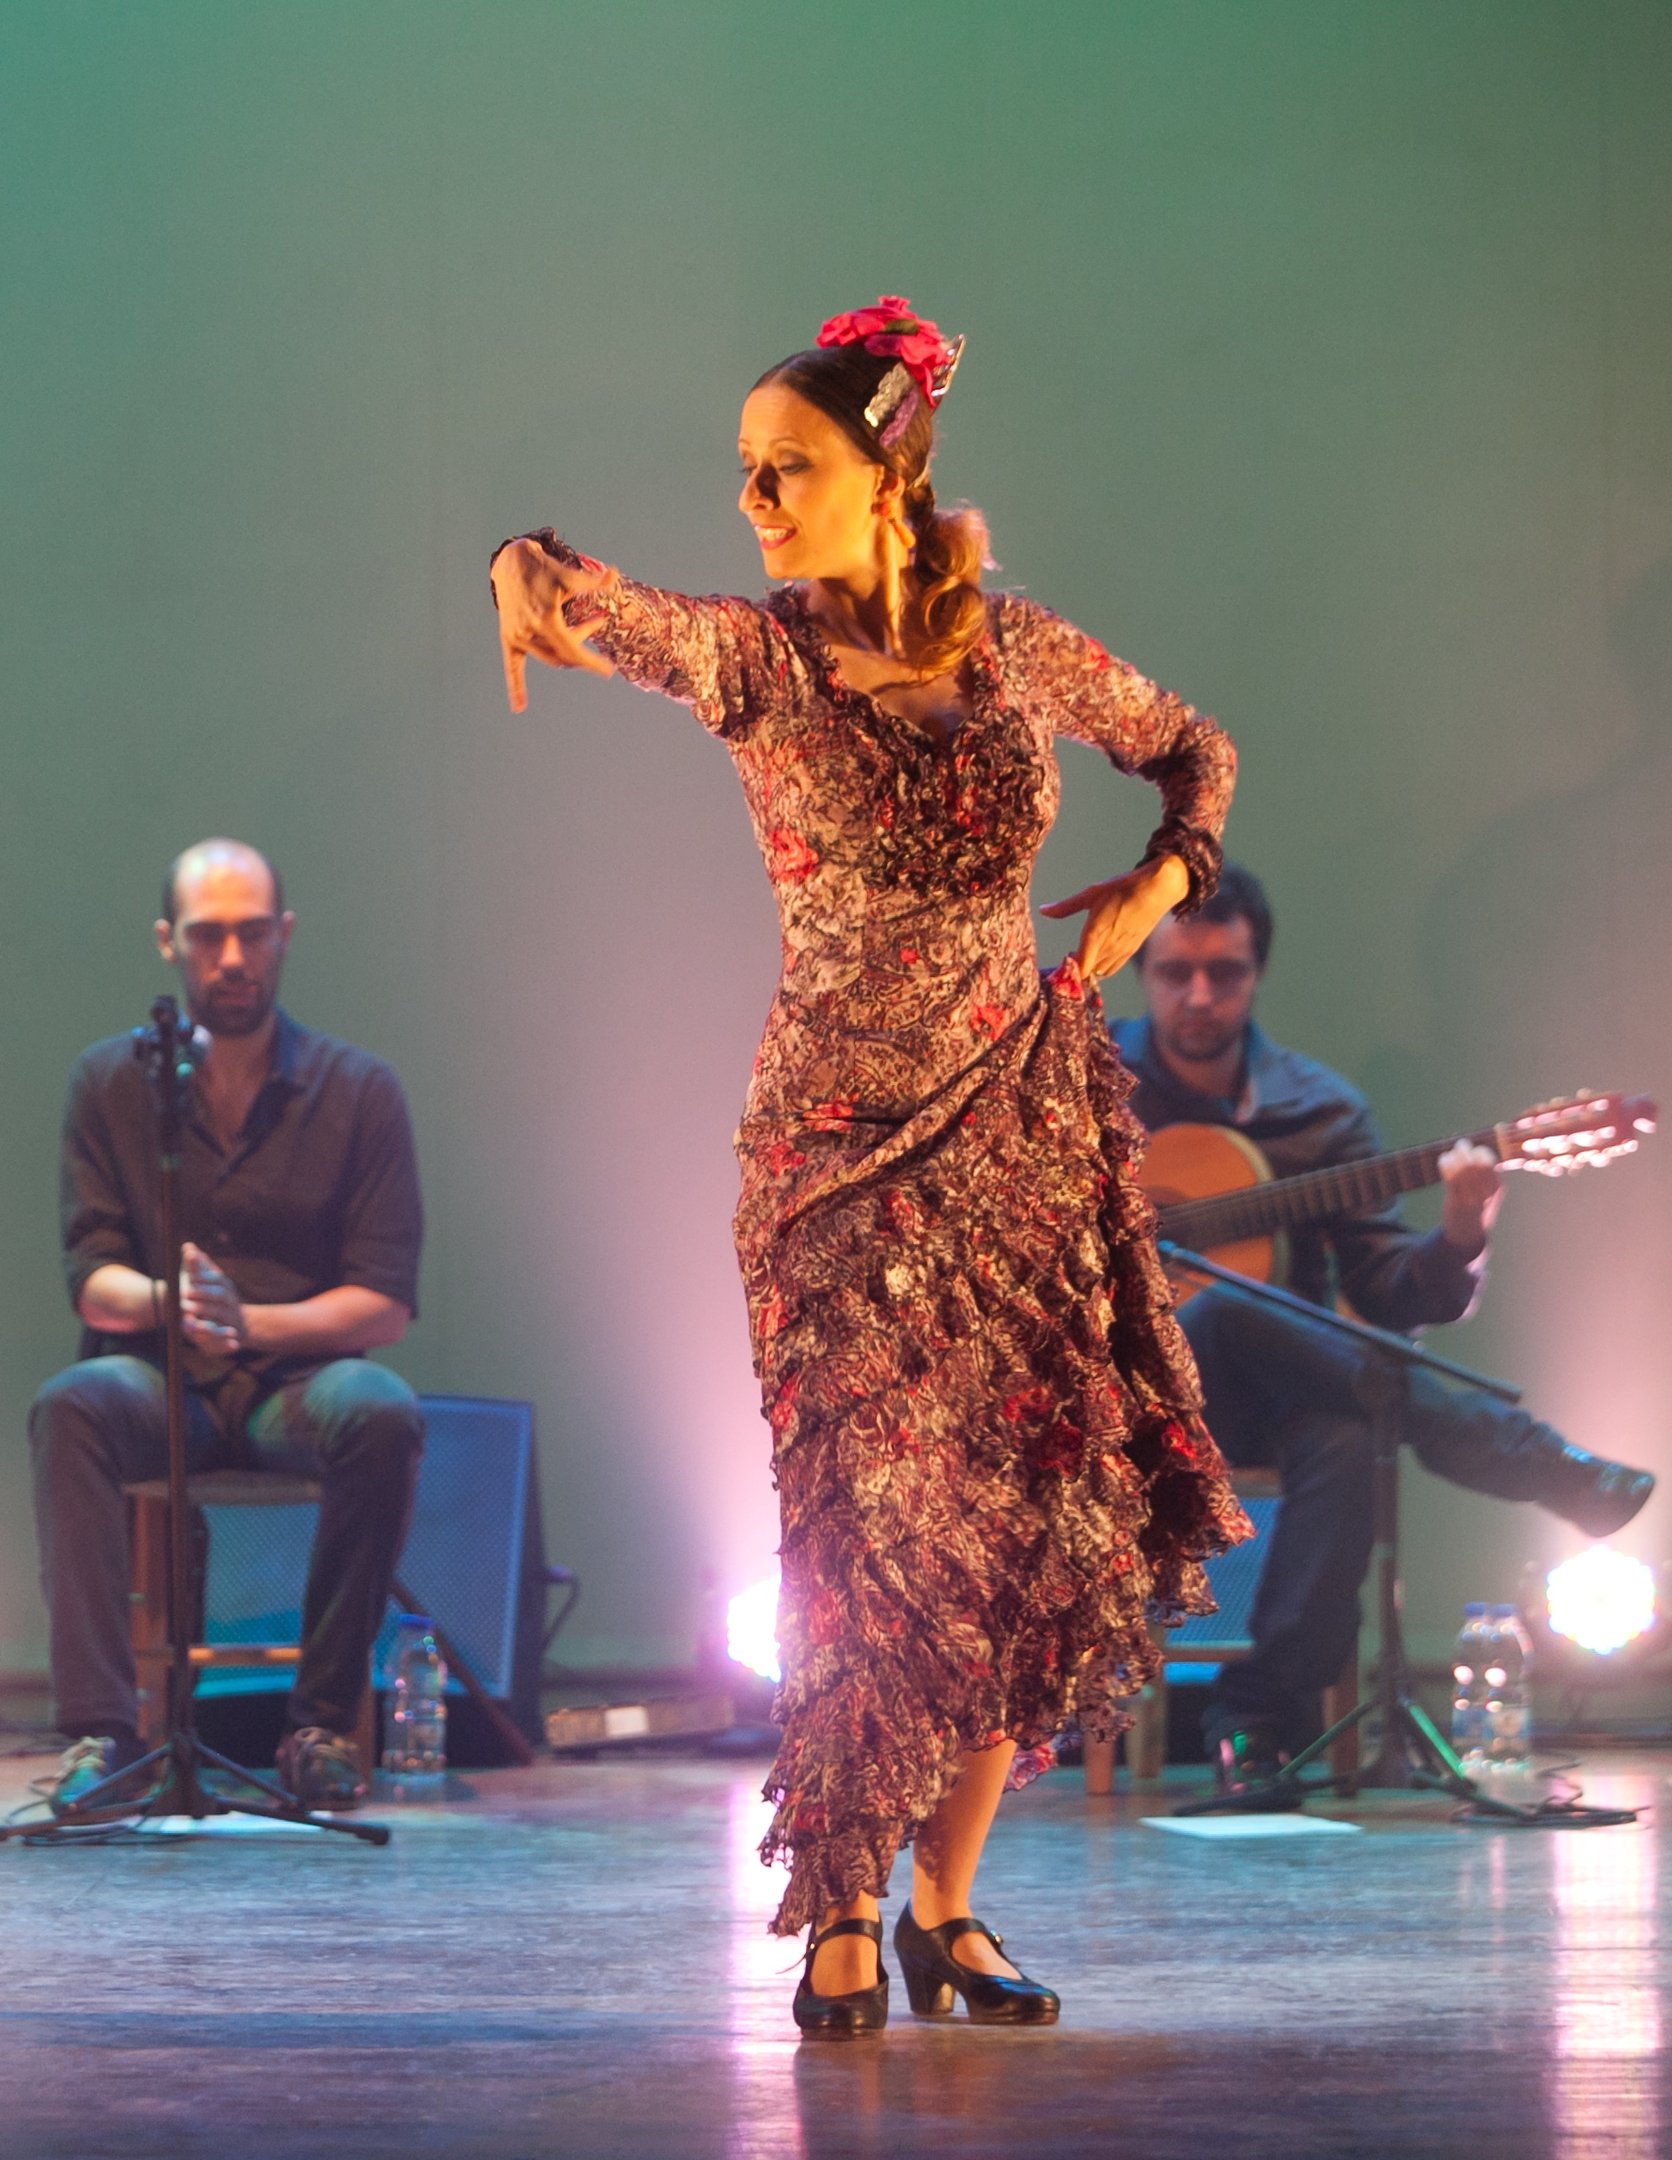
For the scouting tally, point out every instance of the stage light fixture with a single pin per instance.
(752, 1628)
(1601, 1599)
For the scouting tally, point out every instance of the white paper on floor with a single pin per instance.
(1251, 1826)
(223, 1826)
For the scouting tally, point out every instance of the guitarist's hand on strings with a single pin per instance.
(1471, 1187)
(1121, 913)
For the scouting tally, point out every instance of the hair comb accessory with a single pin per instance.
(889, 413)
(947, 369)
(924, 361)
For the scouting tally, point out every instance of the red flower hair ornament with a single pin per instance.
(924, 361)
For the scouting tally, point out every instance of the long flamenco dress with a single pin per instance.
(987, 1435)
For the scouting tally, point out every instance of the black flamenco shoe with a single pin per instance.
(934, 1976)
(842, 2017)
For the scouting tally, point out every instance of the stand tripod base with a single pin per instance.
(1413, 1757)
(177, 1788)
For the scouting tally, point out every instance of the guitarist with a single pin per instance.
(1283, 1394)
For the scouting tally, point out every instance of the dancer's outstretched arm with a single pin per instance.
(726, 658)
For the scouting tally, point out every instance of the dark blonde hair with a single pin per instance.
(944, 615)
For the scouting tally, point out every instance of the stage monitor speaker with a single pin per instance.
(1234, 1579)
(474, 1560)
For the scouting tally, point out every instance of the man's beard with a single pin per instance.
(247, 1014)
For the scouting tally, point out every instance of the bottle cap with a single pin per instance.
(1474, 1607)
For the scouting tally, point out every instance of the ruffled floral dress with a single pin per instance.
(987, 1435)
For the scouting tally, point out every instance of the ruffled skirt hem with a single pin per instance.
(992, 1468)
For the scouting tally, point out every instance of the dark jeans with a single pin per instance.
(102, 1424)
(1286, 1396)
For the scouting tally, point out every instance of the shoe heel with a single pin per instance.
(928, 1996)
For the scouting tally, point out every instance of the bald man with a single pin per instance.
(302, 1220)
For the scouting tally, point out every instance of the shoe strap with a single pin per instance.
(950, 1930)
(872, 1928)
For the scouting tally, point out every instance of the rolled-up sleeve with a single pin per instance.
(94, 1216)
(383, 1214)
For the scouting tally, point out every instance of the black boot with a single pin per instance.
(1594, 1494)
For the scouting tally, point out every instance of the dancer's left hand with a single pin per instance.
(1122, 912)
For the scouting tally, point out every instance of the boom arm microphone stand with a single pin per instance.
(1412, 1752)
(170, 1049)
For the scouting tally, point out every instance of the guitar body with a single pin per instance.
(1198, 1162)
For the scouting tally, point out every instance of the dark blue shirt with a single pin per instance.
(1301, 1116)
(318, 1190)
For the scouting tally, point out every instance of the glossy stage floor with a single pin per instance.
(571, 1960)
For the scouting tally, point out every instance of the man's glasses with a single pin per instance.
(1223, 976)
(208, 938)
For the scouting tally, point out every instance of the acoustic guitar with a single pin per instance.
(1217, 1196)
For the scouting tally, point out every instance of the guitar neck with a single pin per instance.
(1350, 1188)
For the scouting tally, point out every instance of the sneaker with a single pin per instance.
(320, 1769)
(87, 1763)
(1245, 1758)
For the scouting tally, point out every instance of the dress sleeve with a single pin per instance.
(1083, 691)
(721, 656)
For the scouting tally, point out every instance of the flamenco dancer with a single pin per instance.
(987, 1438)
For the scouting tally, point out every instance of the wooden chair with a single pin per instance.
(149, 1593)
(1146, 1742)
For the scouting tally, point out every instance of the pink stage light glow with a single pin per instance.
(752, 1628)
(1601, 1599)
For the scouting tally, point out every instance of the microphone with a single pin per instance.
(171, 1042)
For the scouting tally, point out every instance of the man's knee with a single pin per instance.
(368, 1411)
(79, 1405)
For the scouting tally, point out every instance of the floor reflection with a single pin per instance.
(1605, 2075)
(764, 2122)
(586, 1944)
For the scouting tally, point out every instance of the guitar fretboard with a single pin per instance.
(1285, 1203)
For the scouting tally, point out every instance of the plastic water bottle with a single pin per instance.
(417, 1743)
(1509, 1697)
(1468, 1689)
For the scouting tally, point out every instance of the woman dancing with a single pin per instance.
(987, 1441)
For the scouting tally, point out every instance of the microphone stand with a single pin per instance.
(170, 1049)
(1412, 1753)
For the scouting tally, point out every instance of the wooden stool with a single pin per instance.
(148, 1591)
(1146, 1742)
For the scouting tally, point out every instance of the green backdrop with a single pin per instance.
(1317, 362)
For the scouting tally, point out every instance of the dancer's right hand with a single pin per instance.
(530, 589)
